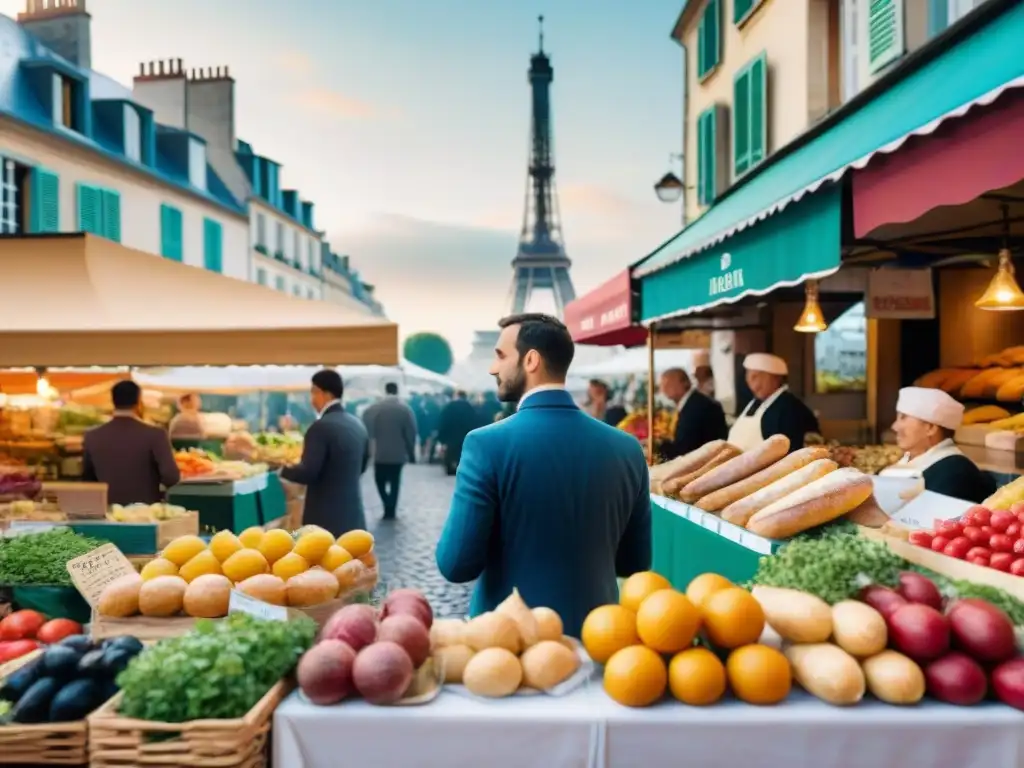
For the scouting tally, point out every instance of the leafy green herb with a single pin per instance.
(40, 559)
(219, 670)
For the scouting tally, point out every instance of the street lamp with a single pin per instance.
(669, 187)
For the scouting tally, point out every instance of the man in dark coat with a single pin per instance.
(391, 425)
(699, 419)
(133, 458)
(335, 454)
(458, 419)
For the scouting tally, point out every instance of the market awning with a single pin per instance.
(80, 300)
(968, 65)
(605, 316)
(963, 160)
(801, 243)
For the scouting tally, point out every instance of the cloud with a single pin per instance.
(295, 62)
(596, 201)
(333, 104)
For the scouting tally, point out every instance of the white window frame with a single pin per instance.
(132, 134)
(9, 222)
(279, 238)
(197, 164)
(261, 230)
(957, 9)
(852, 14)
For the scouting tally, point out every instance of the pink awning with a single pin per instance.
(604, 317)
(963, 159)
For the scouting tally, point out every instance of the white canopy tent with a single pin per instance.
(633, 362)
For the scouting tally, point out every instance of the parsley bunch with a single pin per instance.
(219, 670)
(40, 559)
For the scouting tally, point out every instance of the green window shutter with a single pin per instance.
(171, 225)
(707, 126)
(213, 237)
(758, 112)
(740, 8)
(702, 151)
(741, 123)
(89, 209)
(44, 208)
(111, 223)
(885, 33)
(709, 38)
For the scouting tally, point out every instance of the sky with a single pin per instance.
(407, 121)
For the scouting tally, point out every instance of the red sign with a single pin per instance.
(604, 316)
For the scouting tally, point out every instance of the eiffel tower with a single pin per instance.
(540, 262)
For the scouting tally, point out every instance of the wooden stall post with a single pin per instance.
(650, 395)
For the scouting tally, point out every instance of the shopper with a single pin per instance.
(699, 419)
(457, 419)
(391, 426)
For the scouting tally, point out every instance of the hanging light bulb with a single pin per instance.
(811, 319)
(1003, 293)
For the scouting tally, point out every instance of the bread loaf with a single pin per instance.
(736, 468)
(1010, 391)
(676, 484)
(817, 503)
(978, 384)
(739, 512)
(934, 379)
(723, 497)
(1015, 355)
(952, 384)
(687, 463)
(1005, 376)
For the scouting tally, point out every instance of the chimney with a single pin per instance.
(161, 86)
(211, 106)
(63, 26)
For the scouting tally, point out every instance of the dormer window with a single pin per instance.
(197, 163)
(132, 134)
(66, 103)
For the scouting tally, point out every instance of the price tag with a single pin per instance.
(239, 602)
(19, 527)
(91, 572)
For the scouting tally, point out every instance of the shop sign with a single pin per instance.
(728, 280)
(900, 294)
(616, 317)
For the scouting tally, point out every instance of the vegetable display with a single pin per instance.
(40, 558)
(989, 537)
(217, 670)
(18, 485)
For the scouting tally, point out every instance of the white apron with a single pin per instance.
(914, 468)
(746, 430)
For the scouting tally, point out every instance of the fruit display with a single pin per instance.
(193, 463)
(983, 536)
(664, 424)
(66, 681)
(277, 450)
(1007, 497)
(767, 490)
(196, 578)
(41, 510)
(512, 649)
(17, 484)
(869, 459)
(375, 655)
(144, 513)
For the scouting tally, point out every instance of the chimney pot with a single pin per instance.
(180, 65)
(161, 67)
(142, 67)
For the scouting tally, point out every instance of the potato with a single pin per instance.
(894, 678)
(796, 616)
(827, 672)
(858, 628)
(120, 598)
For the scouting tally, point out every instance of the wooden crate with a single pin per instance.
(139, 538)
(120, 742)
(46, 743)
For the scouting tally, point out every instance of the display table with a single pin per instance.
(687, 542)
(587, 729)
(226, 504)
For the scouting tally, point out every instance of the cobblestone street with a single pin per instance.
(405, 547)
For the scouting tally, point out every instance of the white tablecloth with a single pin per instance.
(588, 730)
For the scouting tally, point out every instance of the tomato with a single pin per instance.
(979, 514)
(975, 534)
(15, 649)
(21, 625)
(1020, 517)
(1013, 530)
(1001, 561)
(987, 529)
(957, 547)
(56, 630)
(949, 528)
(921, 538)
(1018, 547)
(939, 543)
(1000, 542)
(1001, 521)
(979, 552)
(1017, 567)
(978, 560)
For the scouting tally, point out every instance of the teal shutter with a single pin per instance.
(938, 16)
(44, 208)
(741, 123)
(750, 116)
(89, 209)
(709, 38)
(111, 215)
(213, 237)
(740, 9)
(885, 33)
(706, 160)
(171, 226)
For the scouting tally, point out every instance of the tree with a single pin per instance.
(429, 350)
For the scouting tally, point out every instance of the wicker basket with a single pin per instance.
(45, 744)
(119, 742)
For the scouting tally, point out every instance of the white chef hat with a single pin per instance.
(762, 361)
(931, 405)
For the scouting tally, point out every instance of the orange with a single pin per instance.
(696, 677)
(759, 674)
(667, 622)
(635, 676)
(224, 544)
(203, 563)
(640, 585)
(334, 558)
(732, 617)
(183, 549)
(243, 564)
(275, 544)
(290, 565)
(607, 629)
(704, 585)
(314, 544)
(356, 542)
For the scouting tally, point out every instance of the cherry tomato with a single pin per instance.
(975, 534)
(56, 630)
(1020, 517)
(1001, 521)
(978, 560)
(1001, 561)
(1000, 542)
(1013, 530)
(979, 514)
(978, 552)
(15, 649)
(1018, 547)
(921, 538)
(957, 547)
(21, 625)
(987, 529)
(949, 528)
(939, 543)
(1017, 567)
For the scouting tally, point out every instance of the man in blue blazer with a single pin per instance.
(550, 500)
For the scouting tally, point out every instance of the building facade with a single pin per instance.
(158, 167)
(759, 73)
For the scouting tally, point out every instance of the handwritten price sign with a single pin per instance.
(92, 572)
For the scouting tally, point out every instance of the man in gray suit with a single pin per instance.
(391, 425)
(133, 458)
(335, 454)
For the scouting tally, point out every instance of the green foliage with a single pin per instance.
(429, 350)
(219, 670)
(40, 559)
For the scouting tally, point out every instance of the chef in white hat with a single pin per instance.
(926, 420)
(774, 410)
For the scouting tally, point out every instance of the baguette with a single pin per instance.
(815, 504)
(740, 512)
(955, 381)
(736, 469)
(688, 462)
(676, 484)
(723, 497)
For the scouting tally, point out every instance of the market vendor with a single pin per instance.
(699, 419)
(774, 410)
(926, 420)
(188, 423)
